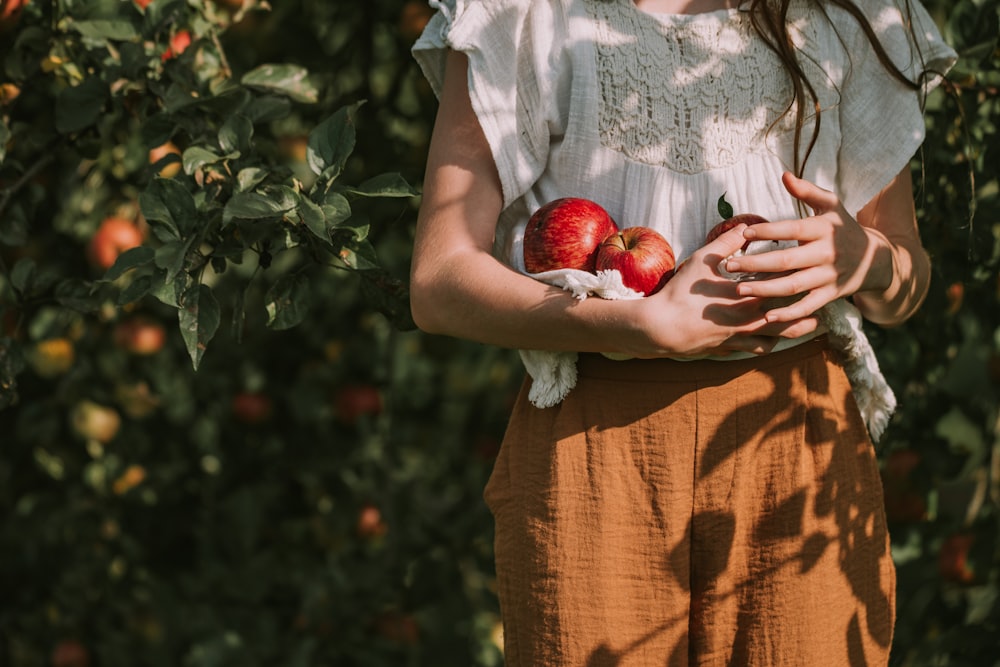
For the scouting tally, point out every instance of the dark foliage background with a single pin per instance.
(311, 494)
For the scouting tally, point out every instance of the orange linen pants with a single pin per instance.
(694, 513)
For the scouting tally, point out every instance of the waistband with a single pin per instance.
(598, 366)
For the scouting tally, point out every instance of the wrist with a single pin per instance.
(882, 277)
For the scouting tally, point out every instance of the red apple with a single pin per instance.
(70, 653)
(163, 150)
(10, 13)
(113, 237)
(370, 523)
(353, 401)
(643, 257)
(565, 234)
(729, 221)
(178, 44)
(953, 559)
(414, 18)
(252, 407)
(140, 335)
(142, 3)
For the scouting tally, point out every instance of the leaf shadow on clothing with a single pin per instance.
(817, 507)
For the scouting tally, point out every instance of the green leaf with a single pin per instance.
(130, 259)
(196, 157)
(267, 109)
(135, 290)
(23, 274)
(360, 255)
(80, 107)
(255, 206)
(286, 79)
(170, 293)
(287, 301)
(167, 202)
(114, 30)
(236, 134)
(332, 141)
(250, 178)
(171, 257)
(199, 316)
(78, 294)
(384, 185)
(336, 209)
(311, 215)
(725, 210)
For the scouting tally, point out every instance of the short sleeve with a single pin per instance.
(881, 119)
(515, 73)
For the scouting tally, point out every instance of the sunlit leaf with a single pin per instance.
(287, 79)
(109, 29)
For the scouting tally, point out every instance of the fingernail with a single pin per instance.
(744, 290)
(749, 233)
(732, 266)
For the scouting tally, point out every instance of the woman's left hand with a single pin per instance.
(835, 256)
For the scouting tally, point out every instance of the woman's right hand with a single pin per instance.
(699, 312)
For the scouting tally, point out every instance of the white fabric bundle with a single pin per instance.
(553, 374)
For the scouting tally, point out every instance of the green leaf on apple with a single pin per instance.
(725, 208)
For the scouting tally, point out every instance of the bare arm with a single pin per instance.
(878, 259)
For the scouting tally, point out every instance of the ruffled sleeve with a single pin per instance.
(881, 119)
(516, 71)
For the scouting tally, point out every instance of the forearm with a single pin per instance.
(470, 295)
(900, 275)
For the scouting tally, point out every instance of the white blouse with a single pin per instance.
(655, 116)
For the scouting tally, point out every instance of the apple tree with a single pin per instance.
(224, 442)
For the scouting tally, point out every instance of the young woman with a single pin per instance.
(716, 499)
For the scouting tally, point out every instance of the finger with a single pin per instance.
(778, 261)
(803, 230)
(790, 284)
(794, 329)
(805, 307)
(809, 193)
(724, 245)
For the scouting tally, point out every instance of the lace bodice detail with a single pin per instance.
(687, 92)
